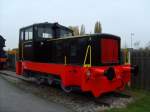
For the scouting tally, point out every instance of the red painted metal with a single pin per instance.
(109, 50)
(19, 69)
(95, 81)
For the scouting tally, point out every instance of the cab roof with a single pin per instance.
(1, 38)
(47, 24)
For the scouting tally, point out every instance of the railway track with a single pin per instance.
(107, 100)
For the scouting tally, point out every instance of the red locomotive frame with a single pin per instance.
(95, 82)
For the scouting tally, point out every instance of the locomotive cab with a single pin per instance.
(34, 38)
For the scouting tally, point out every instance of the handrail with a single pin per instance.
(65, 60)
(22, 50)
(85, 59)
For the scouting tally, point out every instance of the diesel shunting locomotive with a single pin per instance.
(50, 52)
(3, 58)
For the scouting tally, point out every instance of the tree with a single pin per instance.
(136, 44)
(82, 30)
(147, 45)
(98, 28)
(75, 30)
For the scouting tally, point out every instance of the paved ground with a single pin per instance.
(13, 99)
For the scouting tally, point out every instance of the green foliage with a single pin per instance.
(141, 104)
(147, 45)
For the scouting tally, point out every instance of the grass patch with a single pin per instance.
(141, 103)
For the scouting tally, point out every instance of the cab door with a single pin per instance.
(27, 44)
(42, 43)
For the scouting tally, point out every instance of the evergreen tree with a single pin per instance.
(82, 30)
(75, 30)
(98, 28)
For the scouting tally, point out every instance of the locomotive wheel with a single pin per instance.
(1, 66)
(50, 80)
(39, 81)
(66, 89)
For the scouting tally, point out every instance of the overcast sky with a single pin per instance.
(119, 17)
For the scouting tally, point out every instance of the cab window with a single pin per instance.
(65, 33)
(45, 32)
(21, 35)
(28, 34)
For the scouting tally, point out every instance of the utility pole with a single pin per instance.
(130, 52)
(125, 43)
